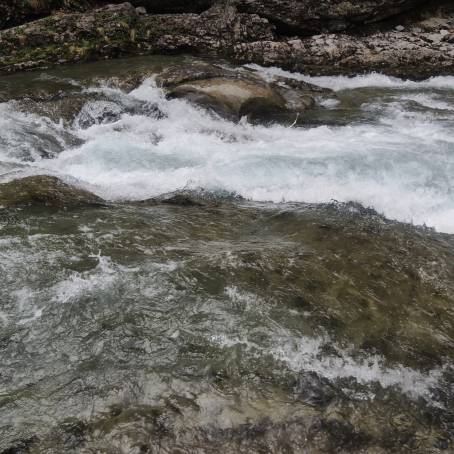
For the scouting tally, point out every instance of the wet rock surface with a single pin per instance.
(235, 94)
(17, 12)
(232, 93)
(45, 191)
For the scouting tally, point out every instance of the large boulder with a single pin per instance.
(234, 94)
(311, 16)
(45, 191)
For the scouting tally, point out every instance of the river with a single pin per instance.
(309, 308)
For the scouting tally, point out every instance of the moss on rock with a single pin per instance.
(45, 191)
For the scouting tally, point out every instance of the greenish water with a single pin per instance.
(182, 324)
(280, 321)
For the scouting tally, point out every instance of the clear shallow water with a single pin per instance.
(383, 142)
(185, 327)
(240, 326)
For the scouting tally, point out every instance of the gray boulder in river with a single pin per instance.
(234, 94)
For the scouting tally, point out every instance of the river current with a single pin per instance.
(383, 142)
(309, 310)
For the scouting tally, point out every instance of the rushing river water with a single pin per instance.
(385, 143)
(274, 319)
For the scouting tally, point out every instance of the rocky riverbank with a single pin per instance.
(393, 37)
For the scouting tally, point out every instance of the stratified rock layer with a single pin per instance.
(419, 50)
(119, 30)
(307, 16)
(404, 54)
(15, 12)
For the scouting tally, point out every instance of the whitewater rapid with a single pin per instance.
(392, 151)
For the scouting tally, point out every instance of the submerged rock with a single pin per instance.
(45, 191)
(83, 109)
(241, 329)
(190, 198)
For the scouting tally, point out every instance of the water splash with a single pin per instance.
(397, 157)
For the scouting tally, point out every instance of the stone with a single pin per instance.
(398, 54)
(15, 12)
(234, 94)
(243, 31)
(306, 17)
(45, 191)
(118, 30)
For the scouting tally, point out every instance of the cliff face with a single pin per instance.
(16, 12)
(173, 6)
(295, 16)
(328, 37)
(117, 30)
(311, 16)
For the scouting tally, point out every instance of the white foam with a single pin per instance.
(329, 103)
(305, 354)
(428, 101)
(243, 300)
(401, 163)
(22, 135)
(78, 284)
(338, 83)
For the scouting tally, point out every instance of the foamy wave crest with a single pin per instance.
(305, 354)
(400, 162)
(338, 83)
